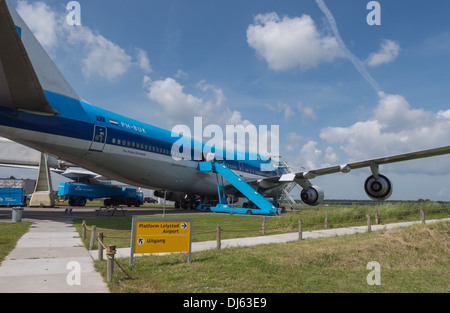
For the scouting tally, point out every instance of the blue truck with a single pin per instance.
(12, 192)
(77, 194)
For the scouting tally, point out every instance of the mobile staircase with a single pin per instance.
(290, 187)
(264, 207)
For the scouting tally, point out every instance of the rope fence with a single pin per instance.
(323, 221)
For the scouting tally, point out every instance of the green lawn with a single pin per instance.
(412, 259)
(10, 233)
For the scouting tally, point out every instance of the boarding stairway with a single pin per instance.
(290, 187)
(264, 207)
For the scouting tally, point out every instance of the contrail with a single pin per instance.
(356, 62)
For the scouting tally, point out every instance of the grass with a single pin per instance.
(117, 231)
(10, 233)
(412, 259)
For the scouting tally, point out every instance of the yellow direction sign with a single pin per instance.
(160, 235)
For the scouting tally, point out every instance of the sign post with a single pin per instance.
(161, 235)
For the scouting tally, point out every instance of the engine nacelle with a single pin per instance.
(170, 196)
(378, 189)
(312, 195)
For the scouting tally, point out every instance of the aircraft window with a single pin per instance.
(128, 143)
(146, 147)
(114, 140)
(118, 141)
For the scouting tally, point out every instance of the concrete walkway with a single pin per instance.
(50, 258)
(281, 238)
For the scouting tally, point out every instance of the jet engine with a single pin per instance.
(312, 195)
(170, 196)
(379, 188)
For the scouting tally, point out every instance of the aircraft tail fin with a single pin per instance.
(26, 70)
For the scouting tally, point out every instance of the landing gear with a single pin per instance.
(189, 202)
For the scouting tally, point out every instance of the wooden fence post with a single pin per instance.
(84, 229)
(91, 244)
(376, 217)
(300, 232)
(110, 262)
(264, 225)
(422, 215)
(326, 220)
(369, 226)
(218, 237)
(100, 246)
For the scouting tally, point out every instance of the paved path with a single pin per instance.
(46, 258)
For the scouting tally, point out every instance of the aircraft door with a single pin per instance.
(99, 138)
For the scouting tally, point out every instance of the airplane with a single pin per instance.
(39, 109)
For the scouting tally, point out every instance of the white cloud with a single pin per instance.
(179, 106)
(310, 156)
(286, 43)
(181, 74)
(388, 52)
(356, 61)
(42, 21)
(394, 128)
(100, 56)
(143, 61)
(282, 107)
(293, 141)
(306, 112)
(176, 103)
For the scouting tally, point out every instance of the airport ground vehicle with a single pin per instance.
(78, 194)
(12, 192)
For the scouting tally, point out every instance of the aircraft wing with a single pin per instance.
(378, 187)
(345, 168)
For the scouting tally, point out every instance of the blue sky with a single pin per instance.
(339, 88)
